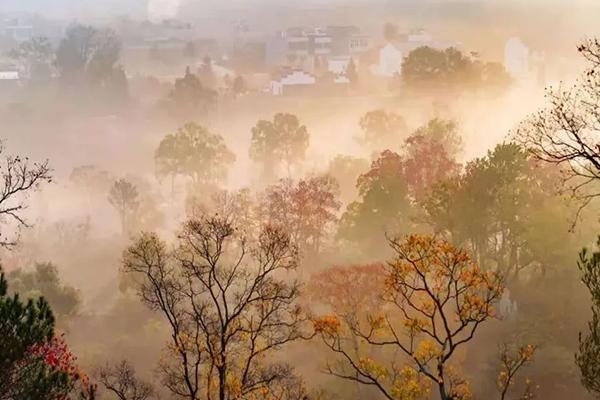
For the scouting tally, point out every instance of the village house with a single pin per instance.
(292, 82)
(516, 58)
(16, 29)
(10, 81)
(311, 49)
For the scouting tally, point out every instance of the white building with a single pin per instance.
(293, 81)
(339, 65)
(9, 76)
(390, 61)
(516, 58)
(9, 80)
(16, 30)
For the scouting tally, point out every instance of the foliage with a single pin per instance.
(124, 197)
(589, 344)
(346, 170)
(240, 207)
(382, 129)
(491, 208)
(397, 183)
(427, 68)
(436, 298)
(511, 362)
(189, 98)
(430, 156)
(227, 308)
(35, 57)
(44, 281)
(34, 363)
(91, 179)
(196, 153)
(306, 210)
(444, 132)
(206, 74)
(348, 290)
(283, 140)
(86, 58)
(384, 205)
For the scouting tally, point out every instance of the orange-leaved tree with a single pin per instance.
(306, 210)
(348, 289)
(435, 299)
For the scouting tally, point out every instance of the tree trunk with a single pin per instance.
(441, 384)
(222, 382)
(442, 389)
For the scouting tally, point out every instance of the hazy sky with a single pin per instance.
(167, 7)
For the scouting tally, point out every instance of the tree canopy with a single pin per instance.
(35, 364)
(430, 69)
(196, 153)
(281, 141)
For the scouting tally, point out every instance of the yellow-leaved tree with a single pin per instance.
(435, 298)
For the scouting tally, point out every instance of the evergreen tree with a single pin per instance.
(26, 337)
(189, 97)
(588, 357)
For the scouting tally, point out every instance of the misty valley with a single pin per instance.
(324, 200)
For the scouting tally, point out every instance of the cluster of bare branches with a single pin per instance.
(19, 177)
(566, 132)
(228, 305)
(121, 380)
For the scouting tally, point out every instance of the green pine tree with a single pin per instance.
(588, 357)
(23, 325)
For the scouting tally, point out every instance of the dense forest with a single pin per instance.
(199, 238)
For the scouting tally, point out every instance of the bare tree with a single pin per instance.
(566, 131)
(227, 305)
(121, 380)
(19, 178)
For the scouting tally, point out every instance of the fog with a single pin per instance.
(327, 199)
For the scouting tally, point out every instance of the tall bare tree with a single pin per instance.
(227, 305)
